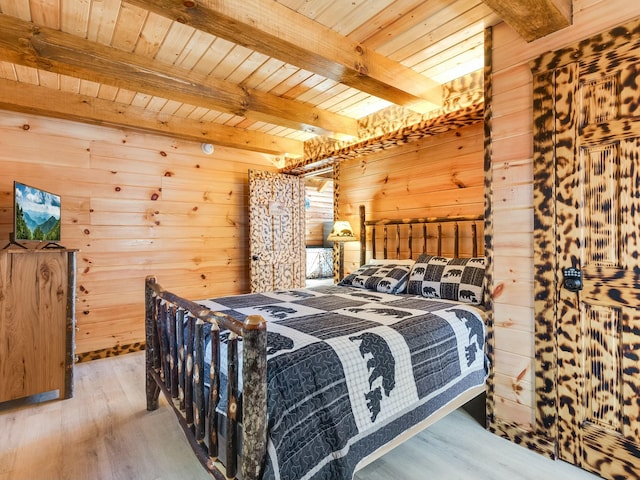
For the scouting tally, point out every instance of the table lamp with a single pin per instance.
(340, 233)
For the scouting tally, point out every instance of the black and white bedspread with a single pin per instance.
(350, 369)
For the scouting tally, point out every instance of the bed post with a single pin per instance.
(233, 412)
(199, 420)
(254, 402)
(363, 237)
(151, 348)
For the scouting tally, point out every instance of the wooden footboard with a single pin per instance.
(175, 364)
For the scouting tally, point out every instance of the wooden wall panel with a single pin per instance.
(133, 205)
(436, 176)
(319, 208)
(512, 163)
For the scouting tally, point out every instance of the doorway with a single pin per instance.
(319, 208)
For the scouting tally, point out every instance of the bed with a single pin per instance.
(316, 383)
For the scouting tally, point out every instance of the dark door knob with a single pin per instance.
(255, 258)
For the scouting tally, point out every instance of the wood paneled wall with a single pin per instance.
(437, 176)
(514, 414)
(133, 205)
(319, 208)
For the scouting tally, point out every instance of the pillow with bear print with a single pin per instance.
(459, 279)
(385, 278)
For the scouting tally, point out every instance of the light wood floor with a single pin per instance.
(104, 432)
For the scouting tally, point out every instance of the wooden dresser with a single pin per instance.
(37, 322)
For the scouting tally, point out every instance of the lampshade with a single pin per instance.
(342, 232)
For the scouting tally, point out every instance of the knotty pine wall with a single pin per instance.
(438, 176)
(512, 153)
(319, 210)
(133, 205)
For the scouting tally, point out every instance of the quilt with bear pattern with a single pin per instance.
(349, 369)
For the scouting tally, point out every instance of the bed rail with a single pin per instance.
(175, 365)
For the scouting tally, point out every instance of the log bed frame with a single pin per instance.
(170, 365)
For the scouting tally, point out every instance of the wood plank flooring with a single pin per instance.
(104, 432)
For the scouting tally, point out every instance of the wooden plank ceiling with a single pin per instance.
(261, 75)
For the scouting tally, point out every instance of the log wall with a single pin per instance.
(514, 410)
(133, 205)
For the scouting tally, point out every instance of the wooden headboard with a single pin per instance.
(408, 238)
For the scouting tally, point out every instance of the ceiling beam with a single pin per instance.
(533, 19)
(26, 98)
(268, 27)
(323, 154)
(27, 44)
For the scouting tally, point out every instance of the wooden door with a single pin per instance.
(276, 231)
(597, 147)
